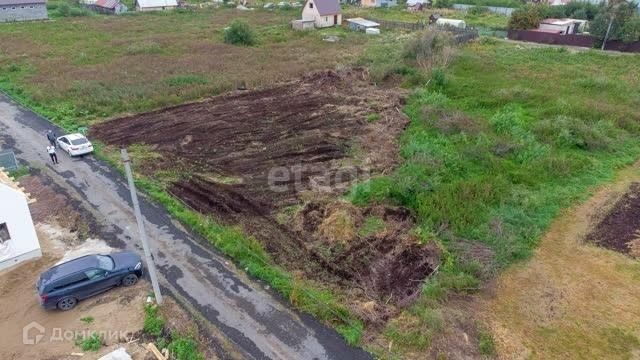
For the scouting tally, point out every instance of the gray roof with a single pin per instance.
(325, 7)
(21, 2)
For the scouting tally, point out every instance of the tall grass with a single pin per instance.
(497, 150)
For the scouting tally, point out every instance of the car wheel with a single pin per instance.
(129, 280)
(67, 303)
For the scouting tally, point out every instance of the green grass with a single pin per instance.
(184, 348)
(514, 136)
(88, 319)
(371, 225)
(20, 172)
(91, 343)
(153, 321)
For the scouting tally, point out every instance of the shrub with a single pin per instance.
(239, 33)
(91, 343)
(528, 17)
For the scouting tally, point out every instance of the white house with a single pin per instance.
(378, 3)
(324, 13)
(18, 239)
(155, 5)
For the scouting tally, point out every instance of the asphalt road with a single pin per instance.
(259, 323)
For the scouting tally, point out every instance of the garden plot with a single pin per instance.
(274, 160)
(619, 230)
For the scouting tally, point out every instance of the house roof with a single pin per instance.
(6, 180)
(561, 22)
(108, 4)
(155, 3)
(326, 7)
(21, 2)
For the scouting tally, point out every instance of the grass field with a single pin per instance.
(503, 140)
(511, 136)
(484, 21)
(82, 69)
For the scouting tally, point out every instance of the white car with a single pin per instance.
(75, 144)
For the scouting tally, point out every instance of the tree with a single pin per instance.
(527, 17)
(617, 14)
(631, 29)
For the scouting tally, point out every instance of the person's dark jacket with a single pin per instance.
(51, 136)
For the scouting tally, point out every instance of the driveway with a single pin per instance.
(258, 323)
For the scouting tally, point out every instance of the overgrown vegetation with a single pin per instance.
(20, 172)
(492, 157)
(153, 321)
(181, 346)
(239, 33)
(90, 343)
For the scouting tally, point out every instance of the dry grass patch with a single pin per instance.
(573, 299)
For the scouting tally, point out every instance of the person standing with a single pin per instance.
(51, 136)
(52, 153)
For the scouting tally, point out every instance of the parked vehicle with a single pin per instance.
(75, 144)
(63, 285)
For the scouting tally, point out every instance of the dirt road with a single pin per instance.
(256, 321)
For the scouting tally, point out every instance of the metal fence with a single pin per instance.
(8, 160)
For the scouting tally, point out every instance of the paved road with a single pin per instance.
(260, 324)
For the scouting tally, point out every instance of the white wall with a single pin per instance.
(311, 13)
(14, 211)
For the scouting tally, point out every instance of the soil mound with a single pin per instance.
(620, 228)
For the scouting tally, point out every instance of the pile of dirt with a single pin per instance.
(247, 156)
(386, 261)
(620, 228)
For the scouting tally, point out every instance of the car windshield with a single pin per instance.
(105, 262)
(79, 141)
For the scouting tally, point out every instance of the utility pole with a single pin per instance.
(143, 235)
(606, 36)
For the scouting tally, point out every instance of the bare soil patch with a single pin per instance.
(251, 156)
(620, 228)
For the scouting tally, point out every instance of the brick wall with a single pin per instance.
(23, 12)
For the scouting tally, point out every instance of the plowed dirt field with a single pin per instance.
(275, 160)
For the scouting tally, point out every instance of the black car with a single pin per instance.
(63, 285)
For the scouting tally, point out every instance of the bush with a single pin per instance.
(91, 343)
(528, 17)
(239, 33)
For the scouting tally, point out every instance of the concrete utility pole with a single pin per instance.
(151, 267)
(606, 36)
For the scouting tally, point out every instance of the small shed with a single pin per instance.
(18, 239)
(455, 23)
(302, 25)
(324, 13)
(360, 24)
(155, 5)
(111, 7)
(23, 10)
